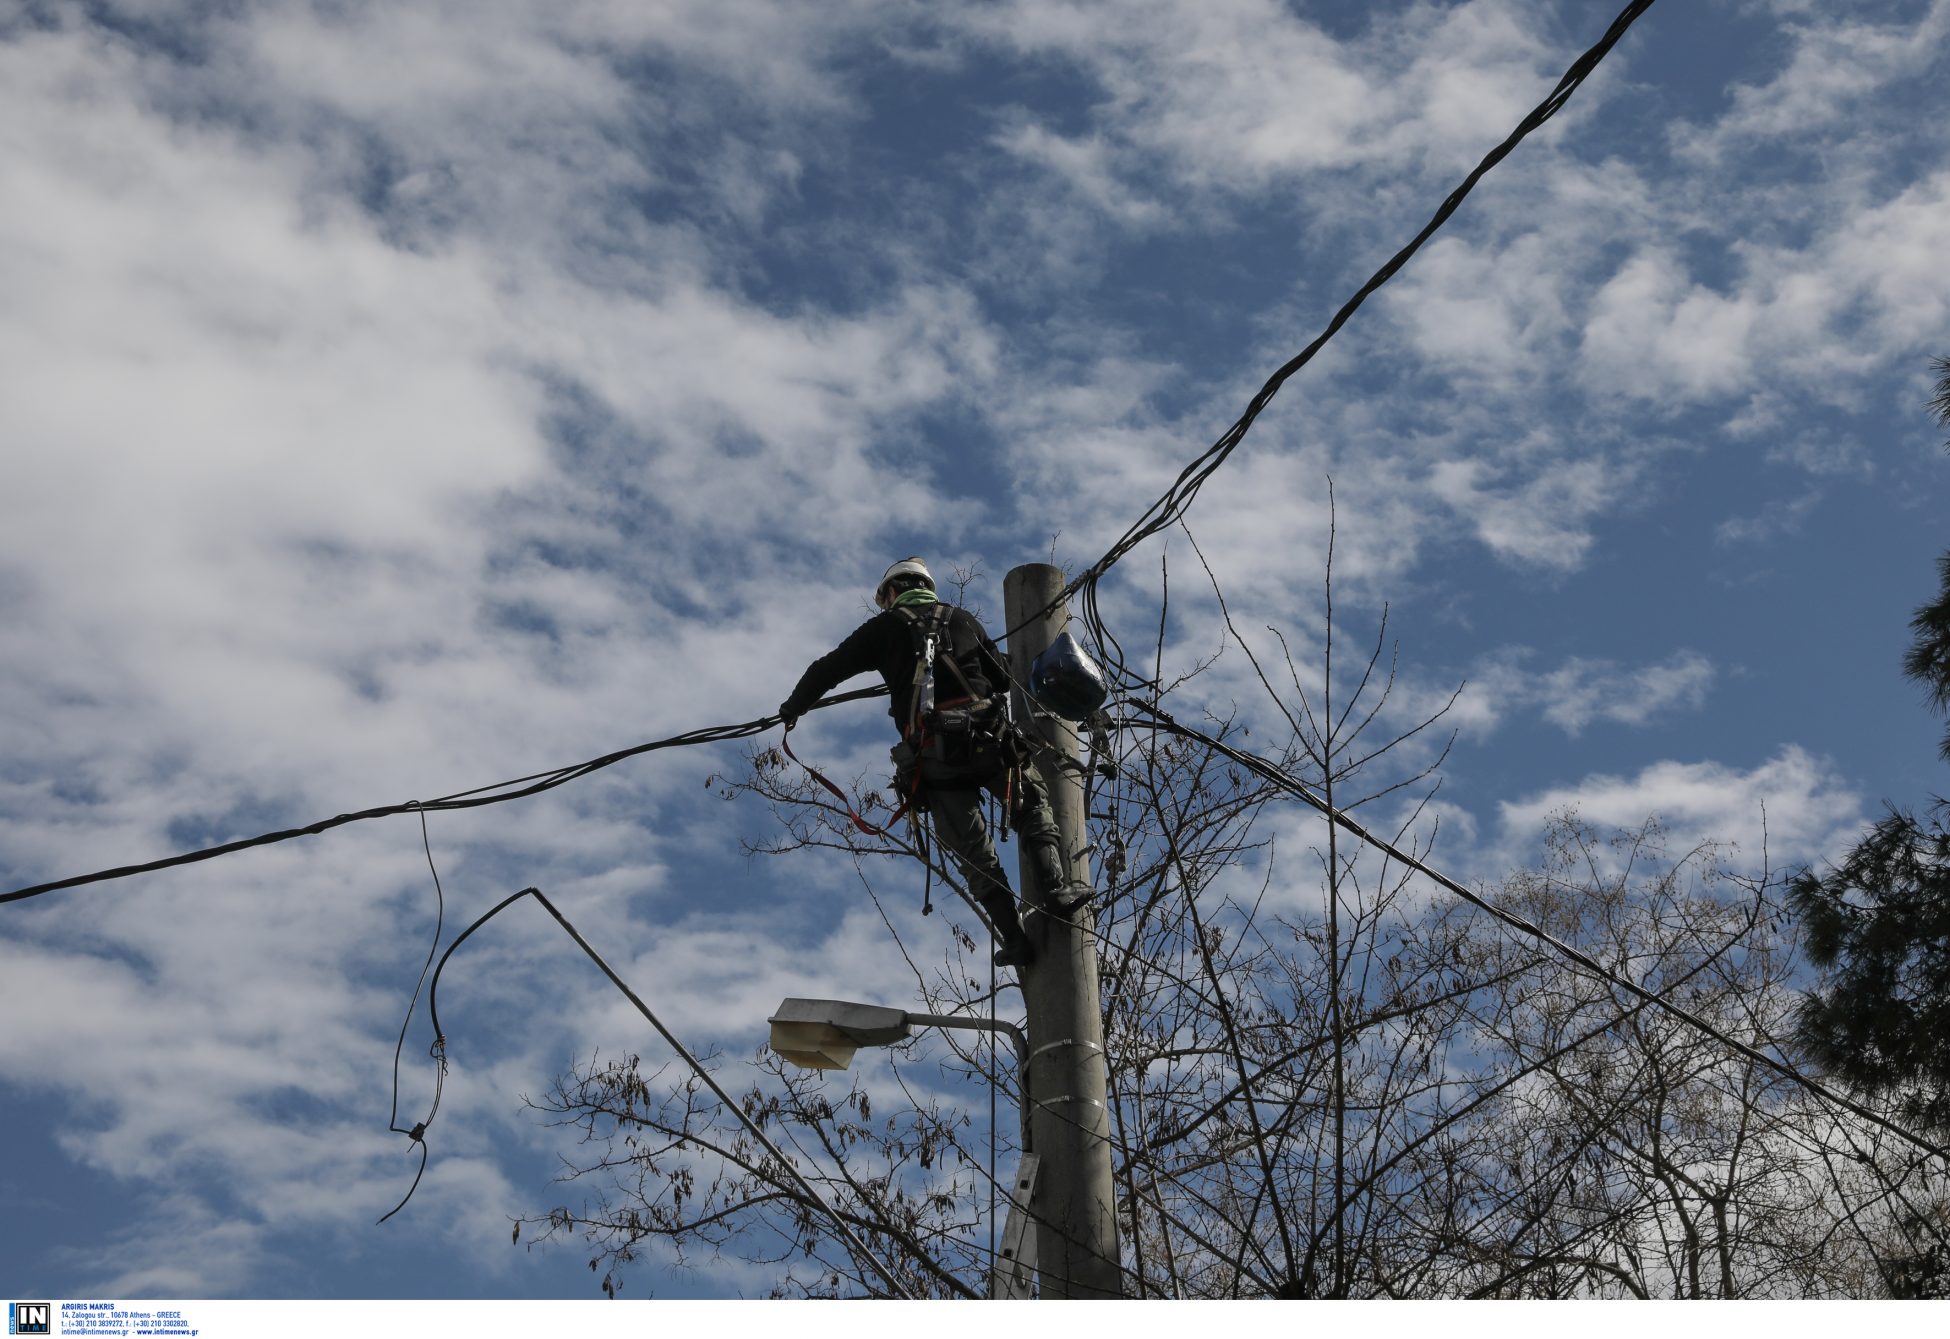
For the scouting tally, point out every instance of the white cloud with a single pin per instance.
(1541, 520)
(179, 1247)
(1798, 318)
(1779, 517)
(1483, 315)
(1582, 691)
(1085, 164)
(1238, 93)
(1838, 60)
(222, 401)
(1822, 455)
(1650, 327)
(1792, 808)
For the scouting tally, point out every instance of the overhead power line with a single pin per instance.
(515, 789)
(1300, 790)
(1168, 508)
(1178, 498)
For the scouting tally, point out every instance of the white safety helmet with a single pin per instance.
(892, 583)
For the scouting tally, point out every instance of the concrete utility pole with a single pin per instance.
(1074, 1206)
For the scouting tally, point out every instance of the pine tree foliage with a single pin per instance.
(1928, 659)
(1939, 403)
(1880, 921)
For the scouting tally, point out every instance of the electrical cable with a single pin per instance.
(466, 799)
(995, 1083)
(439, 920)
(1302, 791)
(418, 1132)
(440, 1045)
(1178, 498)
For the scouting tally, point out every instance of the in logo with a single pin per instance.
(30, 1318)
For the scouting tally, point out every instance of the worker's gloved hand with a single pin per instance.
(787, 716)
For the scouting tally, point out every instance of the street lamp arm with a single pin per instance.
(970, 1021)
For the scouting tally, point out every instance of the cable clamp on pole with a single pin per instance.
(1066, 1097)
(1066, 1041)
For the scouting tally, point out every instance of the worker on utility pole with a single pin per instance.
(949, 687)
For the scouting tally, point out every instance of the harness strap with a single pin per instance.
(923, 639)
(840, 795)
(927, 864)
(930, 633)
(954, 666)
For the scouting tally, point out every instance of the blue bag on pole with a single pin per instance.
(1067, 681)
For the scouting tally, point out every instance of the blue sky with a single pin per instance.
(398, 397)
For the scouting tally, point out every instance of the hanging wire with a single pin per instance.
(439, 920)
(704, 1075)
(418, 1133)
(995, 1082)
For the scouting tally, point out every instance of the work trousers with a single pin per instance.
(955, 813)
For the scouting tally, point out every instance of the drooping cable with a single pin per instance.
(439, 920)
(704, 1075)
(418, 1132)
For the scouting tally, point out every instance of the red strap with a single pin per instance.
(840, 795)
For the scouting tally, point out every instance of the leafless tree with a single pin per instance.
(1328, 1076)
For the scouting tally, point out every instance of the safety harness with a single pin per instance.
(956, 741)
(962, 741)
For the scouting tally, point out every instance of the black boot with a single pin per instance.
(1064, 893)
(1015, 949)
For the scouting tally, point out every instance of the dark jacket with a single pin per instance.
(887, 643)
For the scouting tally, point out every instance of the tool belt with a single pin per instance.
(960, 745)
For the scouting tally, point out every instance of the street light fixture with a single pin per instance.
(824, 1034)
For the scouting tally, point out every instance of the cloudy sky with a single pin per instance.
(396, 397)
